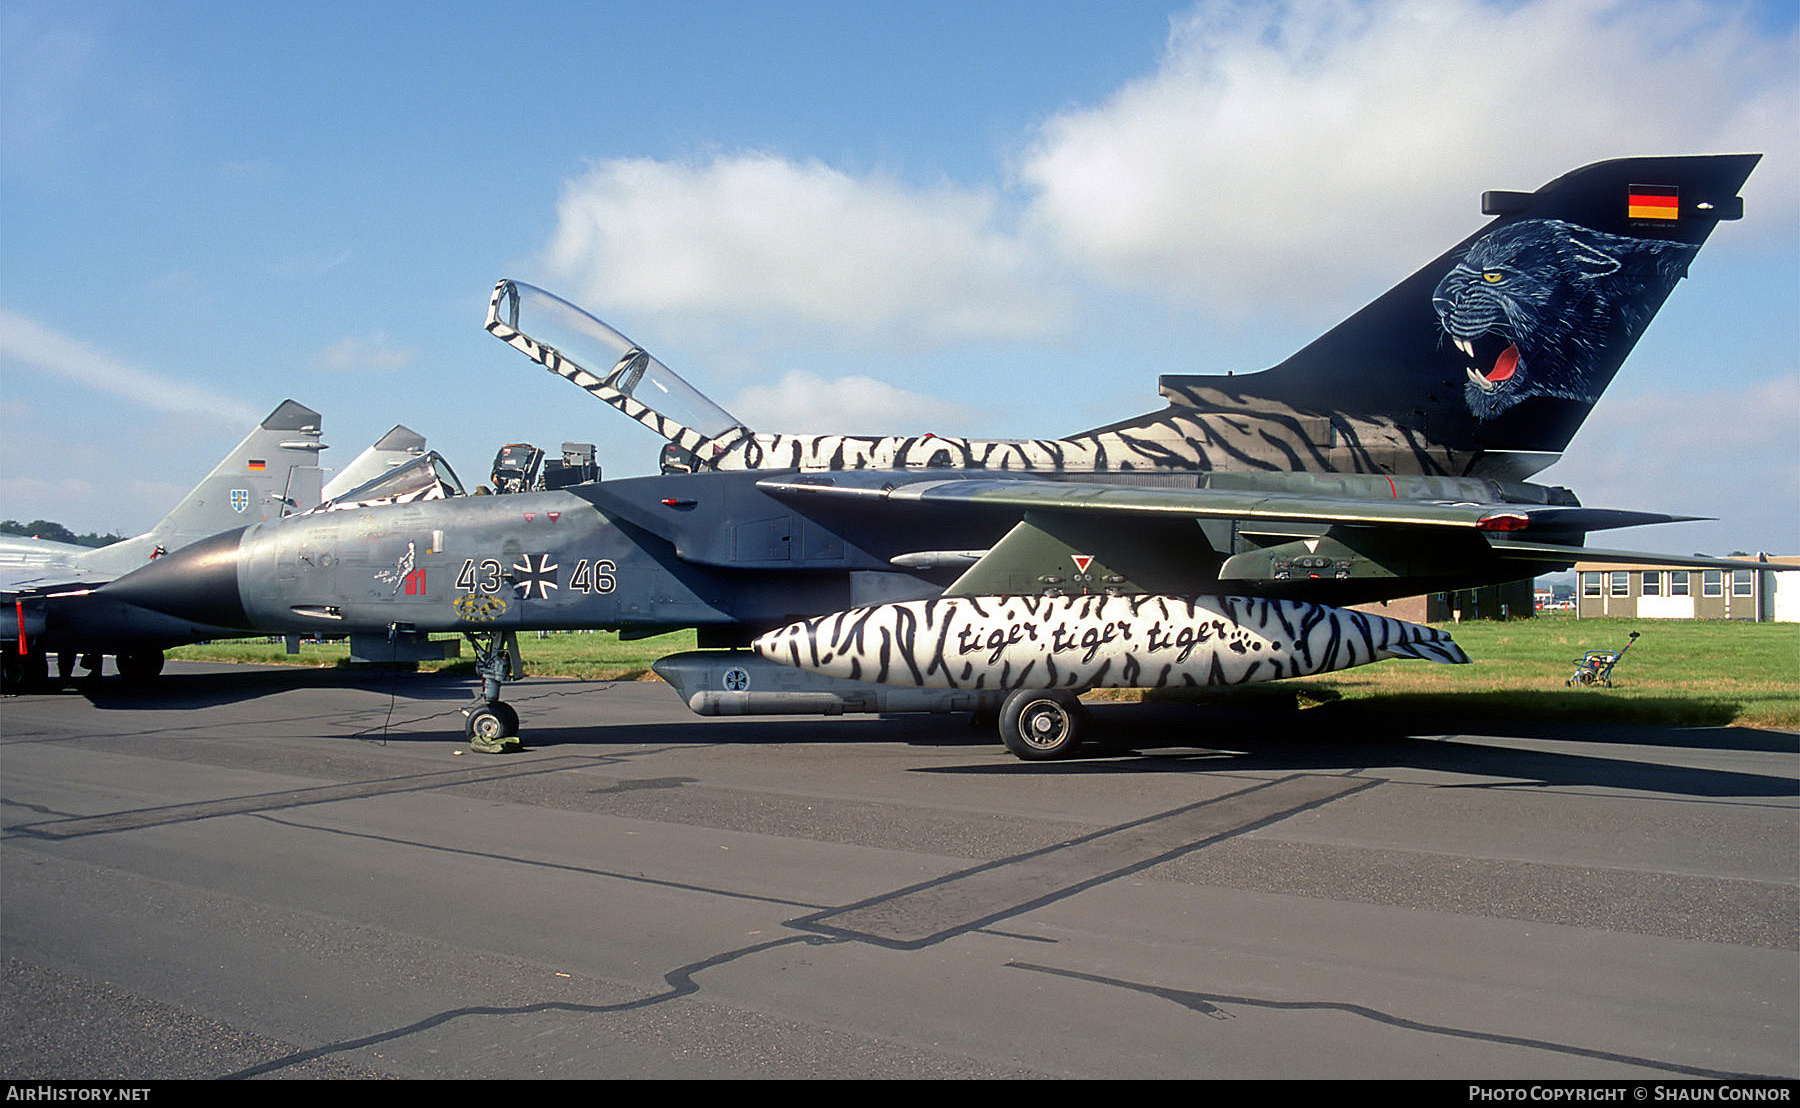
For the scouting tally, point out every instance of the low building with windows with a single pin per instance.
(1652, 591)
(1509, 601)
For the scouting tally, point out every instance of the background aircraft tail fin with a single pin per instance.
(1488, 359)
(400, 445)
(273, 472)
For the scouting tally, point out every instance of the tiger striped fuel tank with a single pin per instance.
(1084, 642)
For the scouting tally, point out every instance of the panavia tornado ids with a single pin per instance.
(1214, 541)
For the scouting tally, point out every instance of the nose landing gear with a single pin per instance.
(491, 725)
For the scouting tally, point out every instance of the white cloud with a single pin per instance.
(30, 343)
(751, 235)
(1284, 161)
(1280, 156)
(1296, 151)
(358, 353)
(1661, 450)
(804, 403)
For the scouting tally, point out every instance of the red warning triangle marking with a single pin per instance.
(1082, 562)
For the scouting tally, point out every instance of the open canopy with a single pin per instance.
(574, 344)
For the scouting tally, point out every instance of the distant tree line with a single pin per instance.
(55, 532)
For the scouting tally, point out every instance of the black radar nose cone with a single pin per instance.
(198, 583)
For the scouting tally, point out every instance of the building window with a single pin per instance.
(1590, 583)
(1741, 582)
(1621, 582)
(1712, 582)
(1652, 582)
(1678, 582)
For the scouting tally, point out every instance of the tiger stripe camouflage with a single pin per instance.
(1085, 642)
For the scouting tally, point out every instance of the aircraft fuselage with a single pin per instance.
(713, 551)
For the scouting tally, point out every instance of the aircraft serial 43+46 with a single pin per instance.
(1214, 541)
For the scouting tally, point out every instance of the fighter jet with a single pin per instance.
(273, 471)
(48, 603)
(1214, 541)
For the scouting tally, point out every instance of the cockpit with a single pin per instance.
(426, 477)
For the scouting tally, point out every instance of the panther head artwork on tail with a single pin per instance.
(1534, 306)
(1486, 360)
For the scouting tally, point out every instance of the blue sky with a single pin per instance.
(1000, 219)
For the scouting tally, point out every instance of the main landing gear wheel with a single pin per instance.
(141, 667)
(1040, 724)
(23, 673)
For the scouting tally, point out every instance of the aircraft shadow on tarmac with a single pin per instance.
(1260, 733)
(213, 686)
(1133, 738)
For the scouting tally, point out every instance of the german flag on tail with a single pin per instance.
(1653, 202)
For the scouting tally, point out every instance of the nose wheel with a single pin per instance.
(491, 725)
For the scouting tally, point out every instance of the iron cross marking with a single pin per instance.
(535, 577)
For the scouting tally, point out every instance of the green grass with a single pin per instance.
(1677, 673)
(1680, 673)
(591, 655)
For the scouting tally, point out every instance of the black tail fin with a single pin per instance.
(1488, 359)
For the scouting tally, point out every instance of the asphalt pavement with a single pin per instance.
(264, 872)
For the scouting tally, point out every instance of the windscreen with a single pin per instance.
(615, 360)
